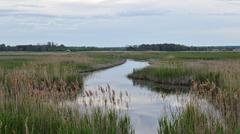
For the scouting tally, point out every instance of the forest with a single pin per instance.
(53, 47)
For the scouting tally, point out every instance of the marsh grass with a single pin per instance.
(143, 55)
(214, 78)
(48, 72)
(191, 121)
(31, 84)
(12, 63)
(105, 97)
(26, 114)
(176, 76)
(206, 55)
(194, 120)
(30, 91)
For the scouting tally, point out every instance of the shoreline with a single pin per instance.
(104, 67)
(173, 81)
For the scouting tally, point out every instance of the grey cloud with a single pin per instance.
(22, 13)
(230, 0)
(234, 2)
(29, 6)
(33, 15)
(225, 14)
(8, 11)
(133, 13)
(129, 13)
(28, 14)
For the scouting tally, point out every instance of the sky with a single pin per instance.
(120, 22)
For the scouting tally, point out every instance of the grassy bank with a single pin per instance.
(211, 76)
(191, 121)
(50, 72)
(194, 121)
(180, 55)
(33, 84)
(174, 76)
(176, 73)
(24, 114)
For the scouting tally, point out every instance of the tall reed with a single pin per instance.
(31, 96)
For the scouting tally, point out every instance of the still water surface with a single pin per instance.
(144, 104)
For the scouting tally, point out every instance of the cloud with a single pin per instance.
(28, 6)
(133, 13)
(111, 8)
(120, 21)
(225, 14)
(230, 0)
(21, 13)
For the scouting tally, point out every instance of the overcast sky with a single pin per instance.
(120, 22)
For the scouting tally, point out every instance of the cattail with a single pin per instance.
(90, 93)
(118, 101)
(121, 96)
(105, 101)
(126, 93)
(102, 90)
(96, 93)
(85, 103)
(113, 92)
(127, 105)
(86, 92)
(90, 102)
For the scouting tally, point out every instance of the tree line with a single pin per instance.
(178, 47)
(51, 46)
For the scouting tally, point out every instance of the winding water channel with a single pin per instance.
(142, 102)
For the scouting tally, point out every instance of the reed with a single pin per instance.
(25, 114)
(176, 76)
(191, 121)
(34, 86)
(216, 81)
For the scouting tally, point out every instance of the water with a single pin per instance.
(146, 106)
(142, 102)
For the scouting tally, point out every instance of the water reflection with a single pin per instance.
(147, 102)
(162, 88)
(144, 102)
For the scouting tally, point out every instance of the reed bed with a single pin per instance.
(30, 94)
(173, 76)
(213, 76)
(191, 121)
(26, 114)
(105, 97)
(44, 73)
(33, 84)
(214, 80)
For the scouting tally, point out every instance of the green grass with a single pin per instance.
(24, 73)
(28, 115)
(30, 81)
(205, 55)
(204, 76)
(217, 78)
(162, 73)
(12, 63)
(75, 66)
(191, 121)
(176, 75)
(104, 57)
(181, 55)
